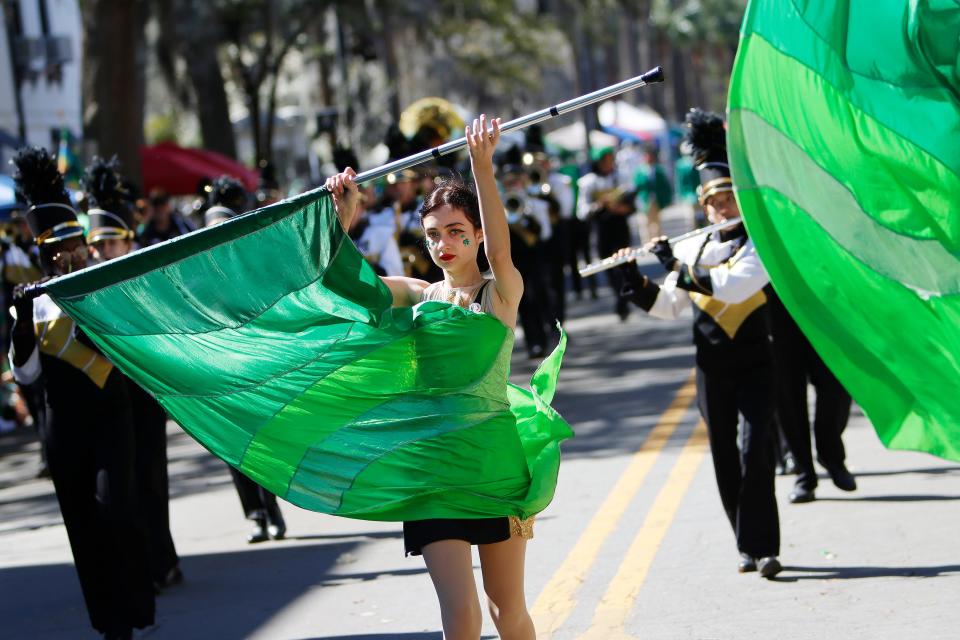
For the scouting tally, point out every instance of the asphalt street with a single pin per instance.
(634, 545)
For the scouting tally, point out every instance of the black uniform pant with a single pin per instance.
(153, 487)
(578, 241)
(744, 470)
(257, 502)
(556, 261)
(91, 461)
(797, 363)
(534, 308)
(613, 234)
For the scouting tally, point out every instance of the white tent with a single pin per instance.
(628, 121)
(573, 137)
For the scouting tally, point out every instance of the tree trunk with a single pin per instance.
(199, 37)
(266, 152)
(378, 14)
(630, 49)
(697, 71)
(655, 47)
(681, 96)
(114, 54)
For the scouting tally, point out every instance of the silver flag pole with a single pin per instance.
(650, 77)
(612, 261)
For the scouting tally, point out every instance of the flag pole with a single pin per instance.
(650, 77)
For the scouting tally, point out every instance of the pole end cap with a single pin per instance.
(654, 75)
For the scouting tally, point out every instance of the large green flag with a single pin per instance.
(273, 343)
(844, 138)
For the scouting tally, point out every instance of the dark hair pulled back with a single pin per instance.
(456, 193)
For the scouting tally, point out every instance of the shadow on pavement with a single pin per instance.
(388, 636)
(370, 535)
(934, 471)
(850, 573)
(382, 636)
(894, 498)
(224, 595)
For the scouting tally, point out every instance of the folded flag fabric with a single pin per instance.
(843, 129)
(271, 341)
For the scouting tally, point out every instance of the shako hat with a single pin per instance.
(50, 216)
(706, 142)
(225, 199)
(111, 203)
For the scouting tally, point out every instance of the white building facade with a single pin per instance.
(40, 46)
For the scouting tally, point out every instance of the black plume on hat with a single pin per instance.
(344, 157)
(105, 186)
(37, 178)
(706, 137)
(227, 191)
(111, 203)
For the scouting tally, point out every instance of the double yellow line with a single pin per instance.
(559, 597)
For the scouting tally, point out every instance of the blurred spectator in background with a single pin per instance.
(163, 221)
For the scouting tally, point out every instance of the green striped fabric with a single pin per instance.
(843, 134)
(272, 342)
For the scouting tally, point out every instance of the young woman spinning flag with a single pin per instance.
(456, 222)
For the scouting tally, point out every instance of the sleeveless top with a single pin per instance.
(464, 296)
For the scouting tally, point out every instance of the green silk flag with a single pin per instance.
(844, 123)
(272, 342)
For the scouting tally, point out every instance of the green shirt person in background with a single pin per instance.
(654, 190)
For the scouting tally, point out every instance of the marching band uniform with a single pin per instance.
(798, 363)
(600, 197)
(723, 278)
(89, 435)
(111, 218)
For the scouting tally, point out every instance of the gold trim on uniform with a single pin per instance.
(729, 316)
(713, 187)
(109, 233)
(55, 337)
(45, 237)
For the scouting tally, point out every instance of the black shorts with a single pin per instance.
(419, 533)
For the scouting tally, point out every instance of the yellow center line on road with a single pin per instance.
(558, 598)
(610, 617)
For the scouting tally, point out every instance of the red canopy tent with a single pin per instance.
(179, 170)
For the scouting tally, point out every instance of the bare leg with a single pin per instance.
(502, 566)
(451, 569)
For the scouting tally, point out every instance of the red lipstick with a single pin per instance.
(447, 257)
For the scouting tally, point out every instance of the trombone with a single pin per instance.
(614, 261)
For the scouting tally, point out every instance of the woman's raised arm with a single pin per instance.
(496, 232)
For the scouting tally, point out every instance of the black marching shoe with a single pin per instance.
(172, 578)
(259, 533)
(801, 494)
(747, 564)
(842, 478)
(769, 566)
(277, 527)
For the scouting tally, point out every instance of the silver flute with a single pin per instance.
(615, 261)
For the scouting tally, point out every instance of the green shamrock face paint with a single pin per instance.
(466, 242)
